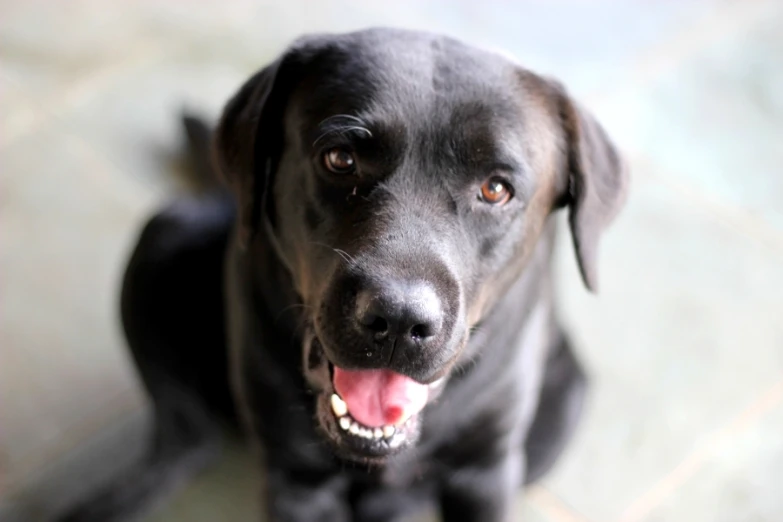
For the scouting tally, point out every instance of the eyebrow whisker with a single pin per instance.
(341, 117)
(333, 124)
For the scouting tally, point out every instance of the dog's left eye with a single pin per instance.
(339, 161)
(495, 191)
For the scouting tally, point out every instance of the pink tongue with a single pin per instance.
(379, 397)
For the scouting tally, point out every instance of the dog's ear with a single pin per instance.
(248, 141)
(597, 181)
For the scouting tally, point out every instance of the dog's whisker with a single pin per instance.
(337, 117)
(348, 258)
(291, 307)
(345, 255)
(336, 125)
(351, 117)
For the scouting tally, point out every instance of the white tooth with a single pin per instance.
(367, 434)
(388, 431)
(354, 429)
(345, 423)
(377, 433)
(338, 406)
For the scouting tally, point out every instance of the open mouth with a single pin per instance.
(367, 414)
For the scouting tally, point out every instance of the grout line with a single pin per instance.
(663, 489)
(721, 23)
(550, 504)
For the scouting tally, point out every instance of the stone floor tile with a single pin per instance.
(741, 481)
(101, 455)
(134, 123)
(685, 332)
(47, 62)
(716, 122)
(66, 225)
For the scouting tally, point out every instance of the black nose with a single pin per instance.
(411, 312)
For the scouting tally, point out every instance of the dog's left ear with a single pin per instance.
(597, 181)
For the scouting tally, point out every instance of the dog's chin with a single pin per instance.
(351, 440)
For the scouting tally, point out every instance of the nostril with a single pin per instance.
(421, 331)
(378, 324)
(411, 312)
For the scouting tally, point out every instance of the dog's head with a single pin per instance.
(404, 178)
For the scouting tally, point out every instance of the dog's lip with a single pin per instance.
(316, 356)
(374, 410)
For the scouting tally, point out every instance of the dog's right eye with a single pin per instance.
(340, 161)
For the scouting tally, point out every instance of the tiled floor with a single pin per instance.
(684, 343)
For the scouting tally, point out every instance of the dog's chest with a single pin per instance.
(405, 471)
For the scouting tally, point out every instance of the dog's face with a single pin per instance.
(404, 179)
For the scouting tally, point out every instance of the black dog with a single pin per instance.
(375, 289)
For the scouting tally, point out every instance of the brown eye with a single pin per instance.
(495, 191)
(339, 161)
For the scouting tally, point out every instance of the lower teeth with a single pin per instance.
(353, 427)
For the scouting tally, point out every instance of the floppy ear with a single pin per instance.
(597, 182)
(233, 147)
(248, 141)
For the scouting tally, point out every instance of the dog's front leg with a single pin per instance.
(483, 493)
(301, 496)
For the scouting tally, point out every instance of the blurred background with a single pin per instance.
(684, 344)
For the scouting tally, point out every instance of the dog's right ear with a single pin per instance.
(248, 140)
(234, 147)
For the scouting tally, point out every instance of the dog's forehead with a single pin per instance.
(387, 74)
